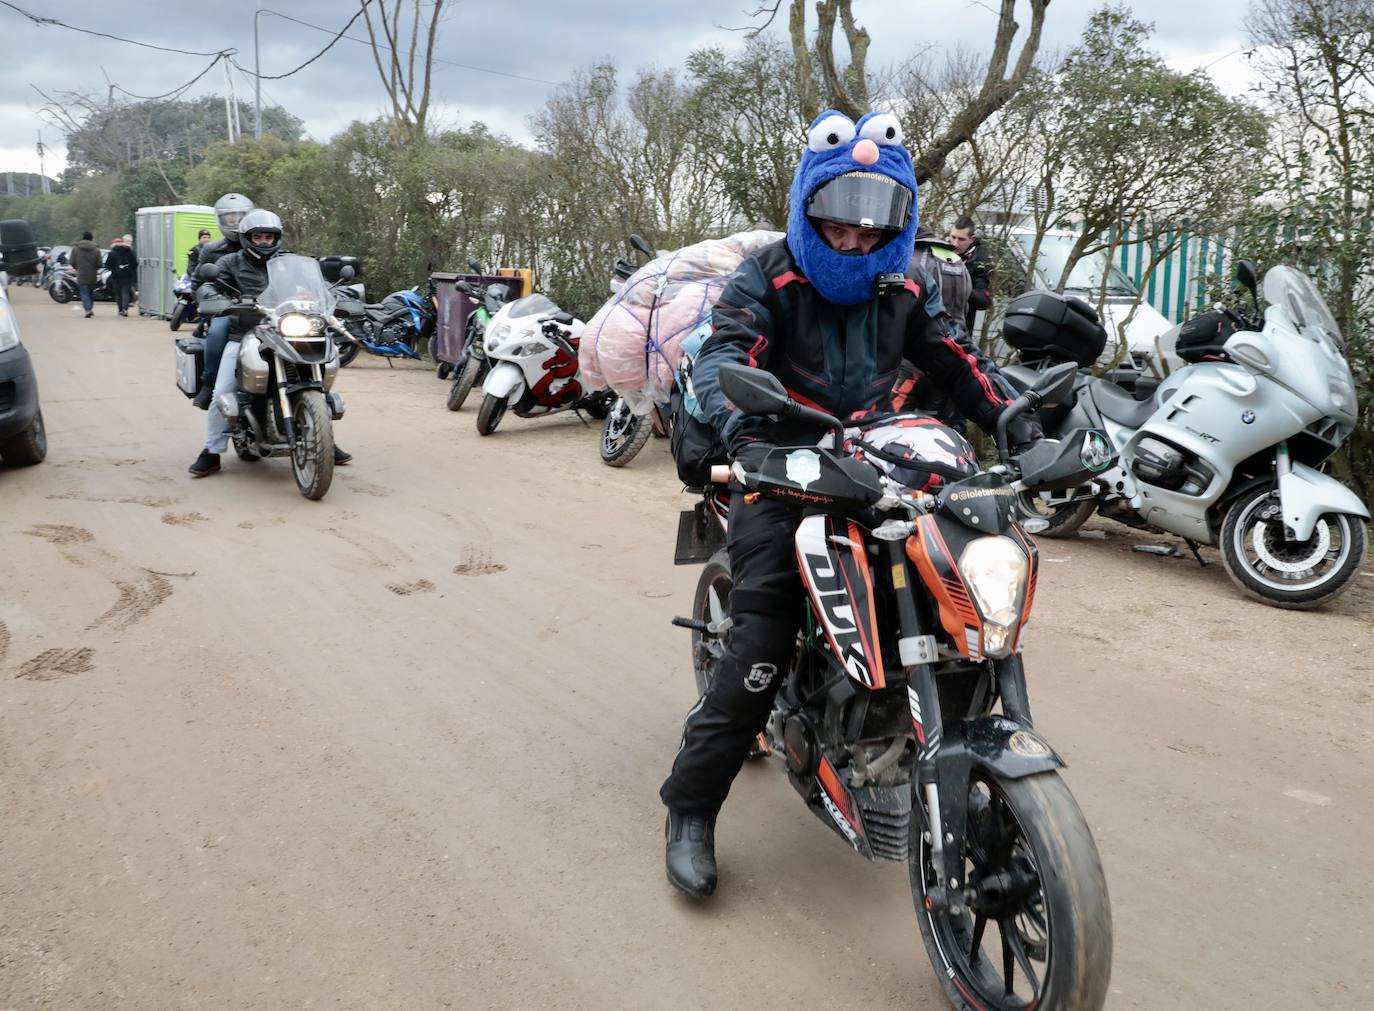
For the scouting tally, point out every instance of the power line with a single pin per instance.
(337, 36)
(41, 21)
(367, 42)
(175, 91)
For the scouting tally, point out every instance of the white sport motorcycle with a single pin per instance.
(1227, 450)
(532, 347)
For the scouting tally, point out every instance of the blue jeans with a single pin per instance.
(216, 334)
(87, 292)
(226, 381)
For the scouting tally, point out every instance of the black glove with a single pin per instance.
(1022, 431)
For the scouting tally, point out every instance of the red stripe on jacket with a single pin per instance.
(783, 280)
(972, 363)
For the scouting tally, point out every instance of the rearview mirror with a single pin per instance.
(207, 271)
(1245, 274)
(347, 273)
(752, 391)
(1055, 385)
(638, 242)
(474, 264)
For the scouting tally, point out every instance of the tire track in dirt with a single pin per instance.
(140, 590)
(406, 589)
(54, 664)
(477, 561)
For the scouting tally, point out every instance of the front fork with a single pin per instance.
(288, 420)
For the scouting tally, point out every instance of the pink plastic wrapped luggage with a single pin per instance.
(633, 342)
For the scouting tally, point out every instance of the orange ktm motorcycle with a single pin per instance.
(904, 721)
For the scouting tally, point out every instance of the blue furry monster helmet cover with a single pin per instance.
(882, 187)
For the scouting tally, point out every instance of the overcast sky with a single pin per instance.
(536, 40)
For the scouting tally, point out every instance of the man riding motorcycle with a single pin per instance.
(828, 311)
(229, 212)
(244, 273)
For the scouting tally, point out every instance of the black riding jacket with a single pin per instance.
(240, 275)
(212, 252)
(843, 359)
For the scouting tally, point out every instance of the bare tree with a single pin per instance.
(407, 88)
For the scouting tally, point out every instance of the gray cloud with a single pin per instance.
(542, 39)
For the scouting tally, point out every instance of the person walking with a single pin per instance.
(123, 267)
(85, 260)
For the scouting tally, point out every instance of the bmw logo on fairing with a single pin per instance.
(1248, 417)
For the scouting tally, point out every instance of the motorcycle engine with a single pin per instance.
(800, 746)
(1157, 462)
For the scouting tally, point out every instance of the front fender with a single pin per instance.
(1305, 494)
(504, 380)
(999, 745)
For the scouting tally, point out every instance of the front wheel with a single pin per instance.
(27, 447)
(489, 415)
(1034, 925)
(1291, 574)
(312, 461)
(464, 382)
(1065, 512)
(60, 293)
(175, 322)
(623, 435)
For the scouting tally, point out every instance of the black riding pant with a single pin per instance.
(765, 608)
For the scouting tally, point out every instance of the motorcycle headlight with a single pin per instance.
(497, 334)
(295, 324)
(996, 570)
(1342, 395)
(9, 331)
(521, 350)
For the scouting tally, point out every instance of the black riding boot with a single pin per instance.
(691, 853)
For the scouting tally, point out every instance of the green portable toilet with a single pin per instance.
(164, 235)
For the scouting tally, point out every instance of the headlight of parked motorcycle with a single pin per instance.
(9, 332)
(996, 571)
(294, 324)
(1342, 394)
(497, 334)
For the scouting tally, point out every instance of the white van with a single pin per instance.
(1085, 282)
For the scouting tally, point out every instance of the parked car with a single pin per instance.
(1085, 282)
(23, 439)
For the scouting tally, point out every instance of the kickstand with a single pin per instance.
(578, 412)
(1193, 547)
(390, 364)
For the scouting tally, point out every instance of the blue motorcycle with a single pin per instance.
(394, 327)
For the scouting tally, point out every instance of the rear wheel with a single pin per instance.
(464, 382)
(312, 461)
(623, 435)
(1284, 573)
(177, 313)
(27, 447)
(1065, 512)
(347, 352)
(443, 370)
(1034, 925)
(489, 415)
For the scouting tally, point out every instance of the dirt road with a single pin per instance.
(401, 748)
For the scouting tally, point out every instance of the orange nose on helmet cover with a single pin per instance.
(865, 152)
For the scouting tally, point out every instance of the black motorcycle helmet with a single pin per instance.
(260, 221)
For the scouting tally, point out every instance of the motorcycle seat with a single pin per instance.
(1120, 406)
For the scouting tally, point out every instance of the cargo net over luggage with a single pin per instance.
(634, 342)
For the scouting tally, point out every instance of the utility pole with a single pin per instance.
(257, 77)
(42, 171)
(228, 107)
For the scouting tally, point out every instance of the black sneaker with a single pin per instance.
(202, 399)
(341, 458)
(206, 464)
(89, 315)
(691, 853)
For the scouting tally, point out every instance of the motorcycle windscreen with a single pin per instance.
(295, 284)
(833, 559)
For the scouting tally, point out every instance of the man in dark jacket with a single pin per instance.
(123, 267)
(965, 240)
(85, 260)
(828, 311)
(244, 273)
(193, 254)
